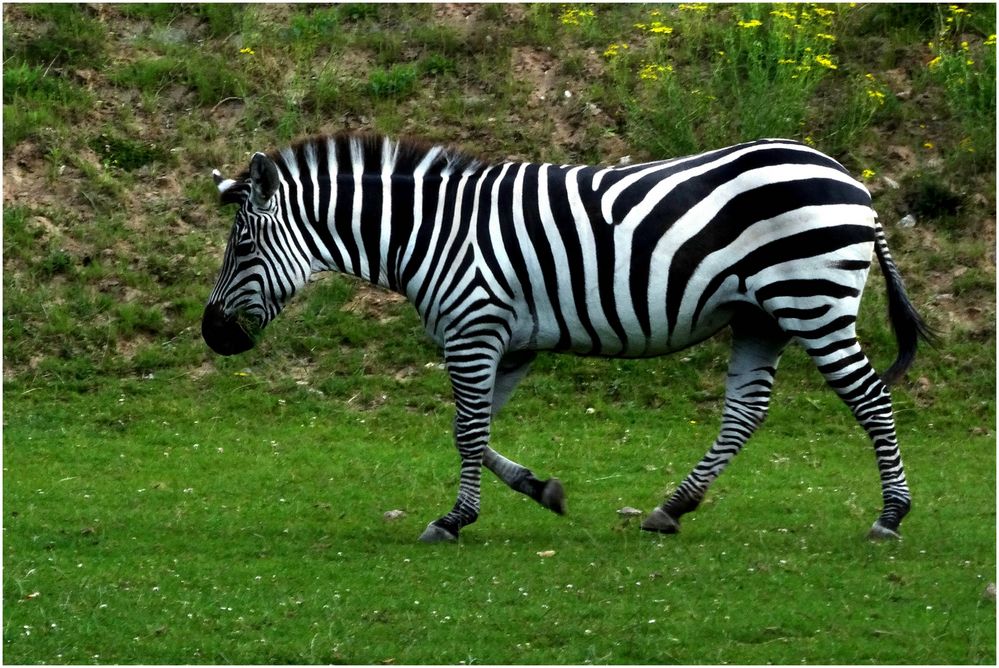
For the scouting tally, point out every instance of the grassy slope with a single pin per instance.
(163, 505)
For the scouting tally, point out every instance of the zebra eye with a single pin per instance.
(245, 247)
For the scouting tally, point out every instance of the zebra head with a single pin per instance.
(262, 267)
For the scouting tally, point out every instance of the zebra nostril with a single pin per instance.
(222, 333)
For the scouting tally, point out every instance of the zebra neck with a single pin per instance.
(368, 206)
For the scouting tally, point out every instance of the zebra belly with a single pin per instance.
(585, 337)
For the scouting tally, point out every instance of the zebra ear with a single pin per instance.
(227, 193)
(263, 178)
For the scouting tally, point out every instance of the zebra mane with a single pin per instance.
(409, 152)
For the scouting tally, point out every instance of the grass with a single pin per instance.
(295, 564)
(163, 505)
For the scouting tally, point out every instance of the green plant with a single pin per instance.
(71, 37)
(125, 153)
(395, 82)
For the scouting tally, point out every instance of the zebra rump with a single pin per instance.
(770, 238)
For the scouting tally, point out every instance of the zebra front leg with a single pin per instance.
(549, 493)
(751, 370)
(471, 433)
(472, 365)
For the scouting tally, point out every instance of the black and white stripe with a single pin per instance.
(501, 260)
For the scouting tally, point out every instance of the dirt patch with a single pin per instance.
(458, 15)
(370, 301)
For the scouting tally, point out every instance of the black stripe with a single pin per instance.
(802, 313)
(603, 239)
(486, 244)
(400, 230)
(512, 245)
(835, 325)
(543, 250)
(372, 201)
(565, 225)
(805, 287)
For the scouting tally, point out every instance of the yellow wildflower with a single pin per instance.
(826, 36)
(572, 17)
(660, 29)
(614, 50)
(808, 140)
(247, 51)
(927, 145)
(822, 11)
(652, 71)
(693, 7)
(867, 174)
(934, 62)
(784, 14)
(877, 96)
(825, 60)
(752, 23)
(991, 41)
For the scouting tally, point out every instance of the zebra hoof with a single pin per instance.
(436, 534)
(659, 520)
(553, 496)
(881, 532)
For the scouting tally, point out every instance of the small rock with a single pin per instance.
(544, 554)
(393, 515)
(628, 511)
(990, 592)
(907, 221)
(890, 182)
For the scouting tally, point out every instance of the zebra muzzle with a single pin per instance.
(223, 333)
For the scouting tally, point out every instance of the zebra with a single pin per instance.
(501, 260)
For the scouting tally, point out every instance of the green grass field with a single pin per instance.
(163, 505)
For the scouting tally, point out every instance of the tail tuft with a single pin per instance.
(905, 320)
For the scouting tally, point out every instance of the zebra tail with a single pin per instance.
(905, 320)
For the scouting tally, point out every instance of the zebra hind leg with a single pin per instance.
(549, 493)
(751, 370)
(850, 374)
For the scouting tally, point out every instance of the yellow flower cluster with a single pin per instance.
(867, 174)
(656, 27)
(247, 51)
(825, 60)
(653, 71)
(876, 95)
(614, 50)
(751, 23)
(693, 7)
(575, 17)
